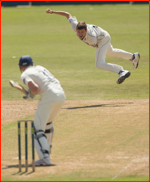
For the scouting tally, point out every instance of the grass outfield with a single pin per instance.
(102, 131)
(51, 42)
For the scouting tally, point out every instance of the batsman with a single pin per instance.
(100, 39)
(52, 97)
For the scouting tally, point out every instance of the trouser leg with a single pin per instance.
(100, 55)
(45, 113)
(118, 53)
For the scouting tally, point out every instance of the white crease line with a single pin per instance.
(121, 171)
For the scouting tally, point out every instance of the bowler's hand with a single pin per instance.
(49, 11)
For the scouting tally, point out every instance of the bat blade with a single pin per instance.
(14, 84)
(17, 86)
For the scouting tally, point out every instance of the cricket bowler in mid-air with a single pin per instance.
(100, 39)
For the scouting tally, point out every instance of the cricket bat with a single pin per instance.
(18, 86)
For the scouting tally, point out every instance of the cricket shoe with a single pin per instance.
(135, 60)
(43, 162)
(123, 75)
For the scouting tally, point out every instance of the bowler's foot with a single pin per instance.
(135, 60)
(123, 75)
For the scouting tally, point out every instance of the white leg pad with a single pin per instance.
(49, 132)
(41, 144)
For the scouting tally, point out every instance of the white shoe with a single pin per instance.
(123, 75)
(135, 60)
(43, 162)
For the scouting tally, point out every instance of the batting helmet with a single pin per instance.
(25, 60)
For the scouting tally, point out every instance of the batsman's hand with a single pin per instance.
(29, 96)
(49, 11)
(96, 45)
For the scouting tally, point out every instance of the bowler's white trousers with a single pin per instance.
(105, 47)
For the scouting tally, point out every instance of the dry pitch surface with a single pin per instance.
(94, 138)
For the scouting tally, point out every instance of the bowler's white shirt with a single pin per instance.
(94, 33)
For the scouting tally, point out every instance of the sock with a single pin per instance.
(120, 71)
(133, 57)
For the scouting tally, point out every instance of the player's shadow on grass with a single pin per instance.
(101, 105)
(23, 168)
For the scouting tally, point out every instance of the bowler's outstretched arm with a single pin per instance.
(62, 13)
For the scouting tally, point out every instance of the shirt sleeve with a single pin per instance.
(25, 79)
(73, 21)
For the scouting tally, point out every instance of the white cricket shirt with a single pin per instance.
(94, 33)
(43, 78)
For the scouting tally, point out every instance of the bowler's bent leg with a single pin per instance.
(119, 53)
(100, 55)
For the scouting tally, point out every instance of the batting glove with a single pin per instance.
(30, 96)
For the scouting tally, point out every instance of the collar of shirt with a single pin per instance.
(28, 67)
(85, 38)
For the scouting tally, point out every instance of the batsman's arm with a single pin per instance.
(34, 88)
(18, 86)
(29, 82)
(62, 13)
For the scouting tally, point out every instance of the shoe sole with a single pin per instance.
(120, 80)
(137, 62)
(42, 164)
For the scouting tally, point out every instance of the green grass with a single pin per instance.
(51, 42)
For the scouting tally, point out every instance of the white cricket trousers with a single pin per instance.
(105, 47)
(47, 109)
